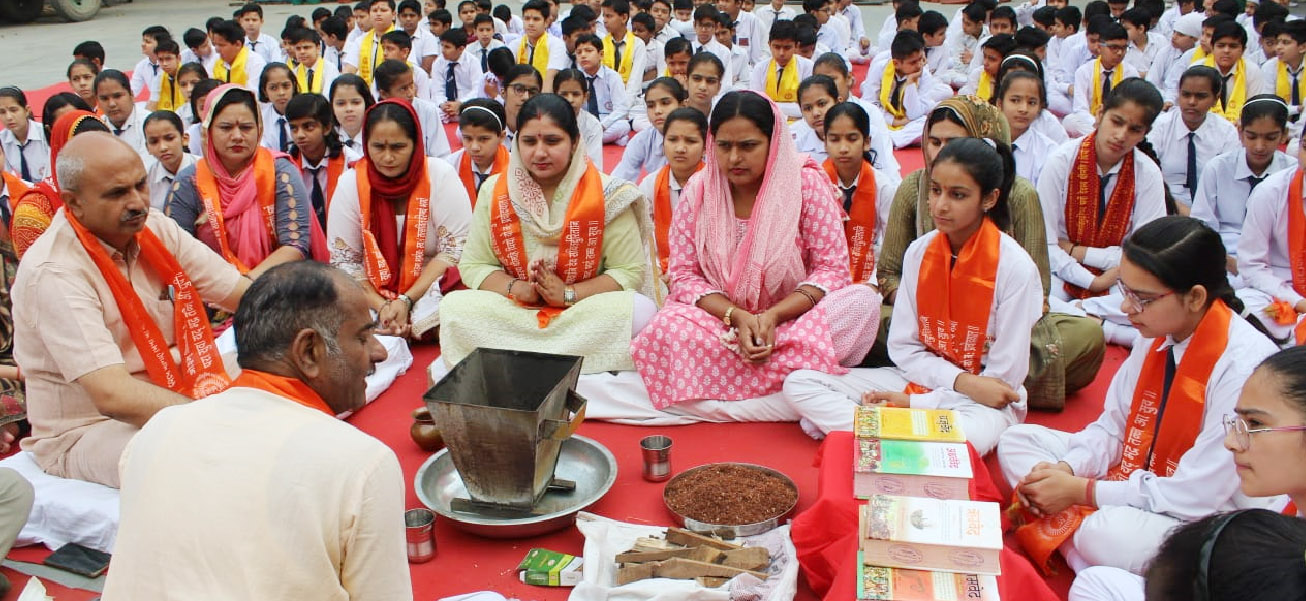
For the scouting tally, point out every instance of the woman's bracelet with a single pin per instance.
(1090, 495)
(510, 285)
(1072, 250)
(726, 317)
(810, 298)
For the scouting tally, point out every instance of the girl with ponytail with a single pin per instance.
(964, 276)
(1156, 456)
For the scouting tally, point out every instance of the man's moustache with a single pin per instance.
(132, 215)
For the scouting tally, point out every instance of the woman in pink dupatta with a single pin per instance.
(246, 202)
(760, 282)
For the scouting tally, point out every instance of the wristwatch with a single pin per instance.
(569, 296)
(407, 301)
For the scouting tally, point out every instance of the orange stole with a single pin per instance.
(201, 372)
(581, 246)
(415, 226)
(469, 180)
(1082, 223)
(16, 187)
(663, 211)
(1165, 442)
(953, 302)
(1297, 245)
(290, 389)
(860, 227)
(265, 179)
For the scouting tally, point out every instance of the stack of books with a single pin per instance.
(922, 538)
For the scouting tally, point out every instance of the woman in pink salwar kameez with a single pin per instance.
(759, 274)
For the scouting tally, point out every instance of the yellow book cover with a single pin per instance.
(896, 423)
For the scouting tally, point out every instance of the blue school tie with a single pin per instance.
(1106, 84)
(1165, 397)
(451, 83)
(281, 130)
(1101, 197)
(1254, 181)
(592, 103)
(22, 163)
(485, 60)
(318, 198)
(1190, 180)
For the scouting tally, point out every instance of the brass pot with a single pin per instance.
(424, 431)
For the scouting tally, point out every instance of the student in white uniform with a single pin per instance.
(394, 79)
(350, 99)
(250, 18)
(1189, 136)
(236, 62)
(963, 47)
(859, 44)
(1022, 98)
(313, 73)
(816, 95)
(484, 42)
(749, 32)
(548, 54)
(454, 74)
(607, 99)
(706, 21)
(1045, 122)
(1170, 59)
(866, 193)
(1095, 79)
(481, 125)
(644, 152)
(833, 66)
(163, 137)
(999, 299)
(1283, 73)
(1155, 457)
(684, 138)
(318, 151)
(620, 43)
(906, 92)
(145, 76)
(983, 79)
(778, 77)
(573, 86)
(1270, 251)
(1242, 77)
(740, 70)
(276, 87)
(198, 49)
(1229, 179)
(1263, 435)
(706, 82)
(124, 116)
(933, 27)
(773, 11)
(1103, 169)
(26, 152)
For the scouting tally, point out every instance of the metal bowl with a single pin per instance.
(729, 531)
(582, 460)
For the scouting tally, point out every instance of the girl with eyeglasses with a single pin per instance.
(1155, 456)
(1265, 434)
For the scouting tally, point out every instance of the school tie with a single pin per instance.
(22, 163)
(1106, 84)
(310, 79)
(318, 198)
(117, 131)
(1190, 180)
(1254, 181)
(895, 94)
(848, 198)
(1296, 95)
(592, 103)
(485, 60)
(1224, 95)
(451, 83)
(283, 143)
(531, 59)
(253, 45)
(480, 179)
(616, 53)
(340, 62)
(1165, 396)
(1101, 197)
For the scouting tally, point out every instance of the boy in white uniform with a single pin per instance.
(913, 90)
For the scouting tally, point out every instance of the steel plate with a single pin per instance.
(583, 460)
(730, 531)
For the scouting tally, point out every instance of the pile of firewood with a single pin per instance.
(686, 555)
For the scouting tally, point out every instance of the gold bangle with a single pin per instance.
(726, 317)
(810, 298)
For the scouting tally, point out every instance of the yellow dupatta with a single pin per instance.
(985, 89)
(1233, 109)
(1116, 77)
(541, 58)
(367, 62)
(301, 76)
(1283, 84)
(886, 90)
(786, 88)
(236, 73)
(610, 53)
(1198, 55)
(170, 98)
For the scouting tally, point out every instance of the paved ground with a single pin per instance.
(37, 54)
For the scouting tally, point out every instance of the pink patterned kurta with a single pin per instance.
(680, 354)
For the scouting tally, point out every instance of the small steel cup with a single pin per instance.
(657, 457)
(419, 524)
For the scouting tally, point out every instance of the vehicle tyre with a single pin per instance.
(21, 11)
(76, 10)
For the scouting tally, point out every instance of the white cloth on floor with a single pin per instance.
(481, 596)
(66, 510)
(1100, 583)
(397, 361)
(605, 538)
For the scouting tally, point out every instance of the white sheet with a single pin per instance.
(398, 360)
(66, 510)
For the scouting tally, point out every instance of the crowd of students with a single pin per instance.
(756, 253)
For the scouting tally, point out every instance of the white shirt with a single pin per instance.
(425, 43)
(320, 177)
(476, 50)
(888, 29)
(354, 48)
(591, 135)
(918, 99)
(145, 76)
(1168, 61)
(958, 71)
(35, 149)
(1263, 259)
(1030, 150)
(195, 145)
(1053, 186)
(280, 480)
(160, 179)
(1017, 304)
(324, 71)
(1048, 125)
(466, 74)
(274, 124)
(758, 82)
(881, 141)
(855, 22)
(768, 15)
(267, 47)
(648, 185)
(712, 46)
(254, 65)
(638, 63)
(1205, 480)
(1074, 53)
(1223, 190)
(1165, 24)
(190, 56)
(738, 73)
(1083, 97)
(885, 189)
(1141, 60)
(133, 130)
(1270, 83)
(610, 95)
(807, 141)
(750, 35)
(437, 141)
(356, 143)
(1169, 136)
(557, 52)
(455, 161)
(644, 151)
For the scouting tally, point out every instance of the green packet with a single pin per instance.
(542, 567)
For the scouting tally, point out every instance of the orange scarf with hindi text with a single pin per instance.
(469, 179)
(265, 176)
(291, 389)
(380, 274)
(1148, 444)
(580, 249)
(201, 372)
(954, 300)
(860, 227)
(663, 211)
(1083, 224)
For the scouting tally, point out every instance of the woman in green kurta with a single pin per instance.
(531, 287)
(1066, 350)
